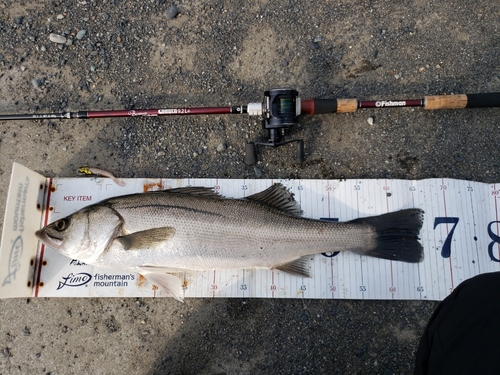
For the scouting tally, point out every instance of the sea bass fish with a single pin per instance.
(195, 229)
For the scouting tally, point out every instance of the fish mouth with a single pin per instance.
(52, 241)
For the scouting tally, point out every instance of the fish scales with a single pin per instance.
(212, 233)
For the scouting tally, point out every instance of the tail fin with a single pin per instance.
(397, 235)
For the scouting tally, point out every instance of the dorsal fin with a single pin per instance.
(277, 196)
(195, 190)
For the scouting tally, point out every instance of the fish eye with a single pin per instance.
(61, 224)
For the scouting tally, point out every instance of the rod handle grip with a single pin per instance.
(462, 101)
(483, 100)
(318, 106)
(445, 101)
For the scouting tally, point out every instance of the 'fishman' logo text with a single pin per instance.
(383, 103)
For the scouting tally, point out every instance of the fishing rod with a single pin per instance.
(280, 110)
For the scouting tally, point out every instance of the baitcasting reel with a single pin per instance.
(279, 110)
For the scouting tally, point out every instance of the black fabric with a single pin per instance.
(463, 334)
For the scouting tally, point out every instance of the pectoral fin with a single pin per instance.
(299, 267)
(169, 283)
(145, 239)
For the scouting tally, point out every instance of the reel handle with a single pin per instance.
(300, 151)
(250, 158)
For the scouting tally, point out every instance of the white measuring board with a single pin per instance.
(460, 236)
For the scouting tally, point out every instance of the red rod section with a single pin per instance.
(390, 103)
(160, 112)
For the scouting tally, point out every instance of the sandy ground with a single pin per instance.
(220, 53)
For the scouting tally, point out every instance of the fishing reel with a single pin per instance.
(279, 110)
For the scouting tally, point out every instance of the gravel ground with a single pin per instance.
(150, 54)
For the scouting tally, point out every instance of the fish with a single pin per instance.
(162, 233)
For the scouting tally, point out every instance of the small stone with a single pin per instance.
(398, 75)
(6, 352)
(421, 70)
(36, 82)
(221, 147)
(258, 172)
(23, 68)
(172, 12)
(370, 120)
(438, 66)
(118, 39)
(69, 42)
(284, 62)
(43, 49)
(317, 39)
(56, 38)
(81, 34)
(161, 153)
(314, 45)
(59, 16)
(92, 68)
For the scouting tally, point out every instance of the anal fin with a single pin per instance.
(299, 267)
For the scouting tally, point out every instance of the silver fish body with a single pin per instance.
(193, 229)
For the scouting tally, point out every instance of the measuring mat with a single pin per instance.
(460, 236)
